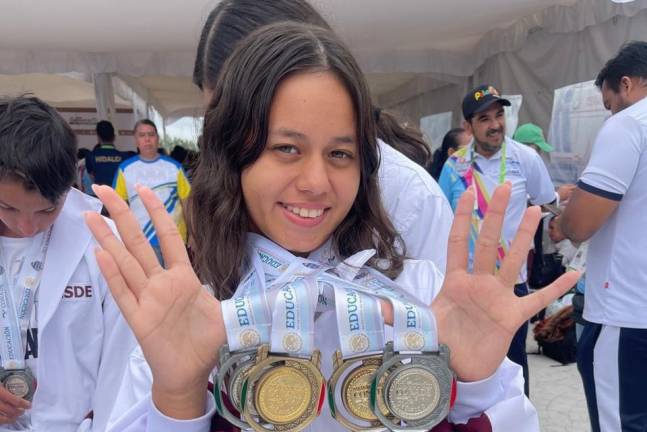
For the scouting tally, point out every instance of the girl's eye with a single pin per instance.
(49, 210)
(288, 149)
(340, 154)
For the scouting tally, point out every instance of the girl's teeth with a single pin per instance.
(305, 213)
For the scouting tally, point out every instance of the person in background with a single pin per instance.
(531, 135)
(103, 161)
(490, 160)
(159, 172)
(83, 181)
(608, 208)
(453, 140)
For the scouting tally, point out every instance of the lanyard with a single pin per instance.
(15, 316)
(483, 197)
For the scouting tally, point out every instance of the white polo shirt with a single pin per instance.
(524, 168)
(616, 279)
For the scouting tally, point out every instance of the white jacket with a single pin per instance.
(501, 396)
(83, 341)
(416, 206)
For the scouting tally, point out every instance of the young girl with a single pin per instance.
(288, 165)
(413, 201)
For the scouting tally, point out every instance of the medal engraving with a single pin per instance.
(292, 342)
(414, 341)
(250, 338)
(283, 395)
(413, 393)
(356, 391)
(17, 385)
(359, 343)
(417, 389)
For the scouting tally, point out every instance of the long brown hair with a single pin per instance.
(235, 134)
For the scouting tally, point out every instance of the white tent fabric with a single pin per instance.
(560, 46)
(420, 56)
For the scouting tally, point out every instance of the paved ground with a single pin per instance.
(557, 393)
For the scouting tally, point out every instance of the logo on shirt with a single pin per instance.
(78, 291)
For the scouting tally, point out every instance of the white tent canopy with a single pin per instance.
(420, 55)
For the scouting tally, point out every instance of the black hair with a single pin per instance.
(232, 20)
(179, 153)
(631, 61)
(105, 131)
(450, 141)
(37, 147)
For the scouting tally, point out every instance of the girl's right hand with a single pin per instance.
(178, 324)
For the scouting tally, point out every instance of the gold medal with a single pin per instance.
(282, 393)
(356, 375)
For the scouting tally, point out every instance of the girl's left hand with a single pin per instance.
(477, 313)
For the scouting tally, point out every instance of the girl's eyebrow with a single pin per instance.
(291, 133)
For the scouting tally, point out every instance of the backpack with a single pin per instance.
(555, 336)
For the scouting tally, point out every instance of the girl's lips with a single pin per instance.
(306, 222)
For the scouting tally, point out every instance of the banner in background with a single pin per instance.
(83, 122)
(578, 113)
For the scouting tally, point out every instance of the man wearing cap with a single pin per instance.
(490, 160)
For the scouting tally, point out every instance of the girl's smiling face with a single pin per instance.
(305, 182)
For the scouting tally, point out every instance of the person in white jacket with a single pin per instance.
(74, 343)
(289, 153)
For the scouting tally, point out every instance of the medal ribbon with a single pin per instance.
(359, 322)
(483, 197)
(414, 325)
(14, 317)
(293, 318)
(247, 315)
